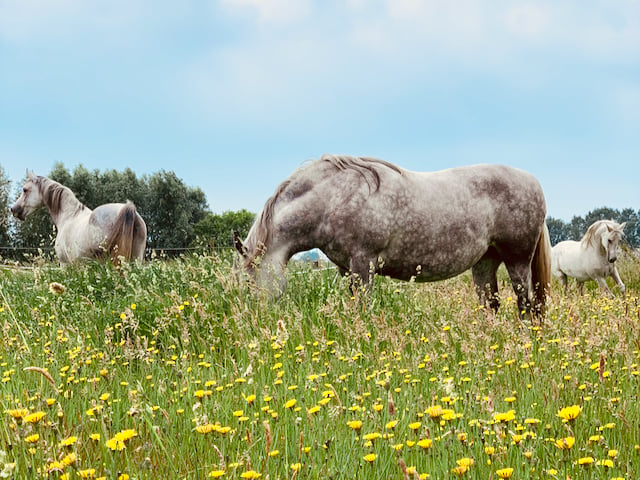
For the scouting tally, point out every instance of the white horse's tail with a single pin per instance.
(541, 272)
(120, 242)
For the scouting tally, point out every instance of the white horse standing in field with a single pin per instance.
(592, 258)
(114, 228)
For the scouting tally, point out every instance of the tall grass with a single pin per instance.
(173, 369)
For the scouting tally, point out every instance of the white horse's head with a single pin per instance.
(30, 199)
(612, 233)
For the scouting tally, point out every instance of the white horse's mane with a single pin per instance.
(595, 230)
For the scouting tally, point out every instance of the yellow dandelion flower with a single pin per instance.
(314, 409)
(465, 462)
(504, 472)
(585, 461)
(290, 403)
(274, 453)
(17, 412)
(69, 459)
(115, 444)
(250, 399)
(370, 457)
(95, 436)
(372, 436)
(125, 435)
(55, 466)
(216, 473)
(415, 425)
(32, 438)
(34, 417)
(434, 411)
(296, 467)
(67, 442)
(88, 473)
(569, 413)
(505, 417)
(355, 424)
(250, 474)
(391, 425)
(460, 470)
(565, 443)
(207, 428)
(425, 443)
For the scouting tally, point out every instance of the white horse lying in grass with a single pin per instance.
(592, 258)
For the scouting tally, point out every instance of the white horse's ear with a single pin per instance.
(30, 175)
(622, 225)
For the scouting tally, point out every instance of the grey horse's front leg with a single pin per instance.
(616, 277)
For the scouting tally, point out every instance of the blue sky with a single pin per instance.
(233, 95)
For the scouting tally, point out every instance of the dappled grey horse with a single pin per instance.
(115, 229)
(370, 216)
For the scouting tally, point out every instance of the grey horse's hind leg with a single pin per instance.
(486, 280)
(520, 274)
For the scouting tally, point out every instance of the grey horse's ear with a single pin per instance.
(30, 174)
(622, 225)
(238, 244)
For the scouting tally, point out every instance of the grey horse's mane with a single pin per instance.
(368, 167)
(591, 232)
(54, 194)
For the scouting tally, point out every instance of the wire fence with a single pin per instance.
(27, 254)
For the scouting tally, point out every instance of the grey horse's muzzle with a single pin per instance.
(17, 211)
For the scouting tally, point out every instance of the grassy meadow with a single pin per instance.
(172, 369)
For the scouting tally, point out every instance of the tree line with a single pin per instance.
(178, 217)
(560, 230)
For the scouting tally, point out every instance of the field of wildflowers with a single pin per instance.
(172, 369)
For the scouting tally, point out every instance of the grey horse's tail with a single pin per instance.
(119, 243)
(541, 272)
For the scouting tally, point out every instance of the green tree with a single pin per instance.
(174, 210)
(5, 189)
(217, 230)
(169, 207)
(574, 230)
(558, 230)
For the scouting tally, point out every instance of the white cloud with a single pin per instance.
(529, 20)
(279, 12)
(51, 21)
